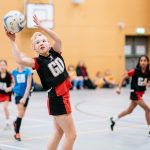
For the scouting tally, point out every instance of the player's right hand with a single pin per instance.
(118, 90)
(22, 101)
(10, 35)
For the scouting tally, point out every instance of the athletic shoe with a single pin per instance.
(112, 124)
(7, 127)
(17, 137)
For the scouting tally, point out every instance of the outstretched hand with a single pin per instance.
(36, 21)
(118, 91)
(10, 35)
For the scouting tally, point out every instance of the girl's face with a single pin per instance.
(81, 63)
(71, 68)
(143, 62)
(41, 45)
(98, 74)
(3, 66)
(20, 66)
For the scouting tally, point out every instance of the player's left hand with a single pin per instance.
(8, 90)
(36, 21)
(118, 91)
(22, 101)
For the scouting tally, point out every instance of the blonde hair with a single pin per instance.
(35, 35)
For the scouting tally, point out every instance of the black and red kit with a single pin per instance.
(5, 83)
(138, 83)
(54, 78)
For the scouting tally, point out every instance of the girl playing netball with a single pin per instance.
(140, 76)
(51, 69)
(22, 85)
(6, 85)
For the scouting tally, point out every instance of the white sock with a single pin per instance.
(115, 118)
(8, 121)
(149, 127)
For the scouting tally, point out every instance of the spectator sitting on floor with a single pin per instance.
(77, 81)
(98, 80)
(82, 72)
(109, 80)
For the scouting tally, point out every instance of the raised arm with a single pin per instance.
(20, 59)
(56, 40)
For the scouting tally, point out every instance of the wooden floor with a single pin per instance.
(91, 112)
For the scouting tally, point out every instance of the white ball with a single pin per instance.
(14, 21)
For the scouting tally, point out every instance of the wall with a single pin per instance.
(89, 31)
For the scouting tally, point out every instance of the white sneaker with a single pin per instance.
(7, 127)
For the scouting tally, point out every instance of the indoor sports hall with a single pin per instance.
(86, 62)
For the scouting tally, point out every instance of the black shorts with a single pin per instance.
(58, 105)
(18, 98)
(135, 96)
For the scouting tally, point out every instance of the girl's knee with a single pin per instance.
(59, 133)
(72, 136)
(5, 108)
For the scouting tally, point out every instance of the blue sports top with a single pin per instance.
(20, 79)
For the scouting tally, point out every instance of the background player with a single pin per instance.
(140, 76)
(6, 85)
(23, 79)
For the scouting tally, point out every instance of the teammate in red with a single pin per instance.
(51, 69)
(140, 78)
(6, 85)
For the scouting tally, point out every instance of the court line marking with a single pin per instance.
(28, 119)
(86, 113)
(14, 147)
(50, 124)
(99, 116)
(79, 133)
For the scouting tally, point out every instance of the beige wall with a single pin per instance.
(88, 31)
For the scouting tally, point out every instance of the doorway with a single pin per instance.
(135, 46)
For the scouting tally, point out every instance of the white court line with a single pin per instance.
(14, 147)
(37, 126)
(37, 120)
(91, 120)
(79, 133)
(25, 118)
(50, 125)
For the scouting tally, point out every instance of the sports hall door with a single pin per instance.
(134, 47)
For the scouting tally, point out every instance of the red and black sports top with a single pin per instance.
(51, 69)
(139, 80)
(5, 82)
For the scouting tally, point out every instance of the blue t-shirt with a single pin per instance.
(20, 79)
